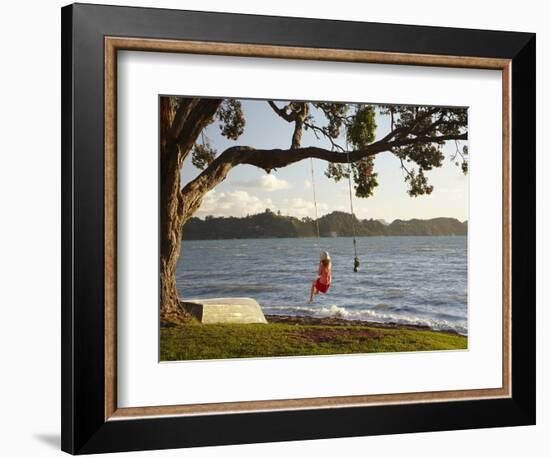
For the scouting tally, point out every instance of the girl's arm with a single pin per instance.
(320, 269)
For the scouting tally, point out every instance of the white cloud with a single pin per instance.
(307, 184)
(241, 203)
(300, 207)
(266, 182)
(232, 203)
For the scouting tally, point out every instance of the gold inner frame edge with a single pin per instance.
(114, 44)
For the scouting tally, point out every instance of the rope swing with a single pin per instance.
(356, 262)
(314, 197)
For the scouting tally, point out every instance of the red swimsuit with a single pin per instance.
(322, 284)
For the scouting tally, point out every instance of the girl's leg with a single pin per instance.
(312, 292)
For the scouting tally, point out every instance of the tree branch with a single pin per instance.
(180, 117)
(281, 112)
(269, 159)
(189, 120)
(403, 167)
(323, 132)
(457, 153)
(433, 139)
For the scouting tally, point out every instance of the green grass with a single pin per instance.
(218, 341)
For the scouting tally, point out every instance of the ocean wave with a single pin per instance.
(384, 305)
(371, 315)
(392, 293)
(246, 287)
(375, 282)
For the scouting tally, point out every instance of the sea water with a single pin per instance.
(405, 280)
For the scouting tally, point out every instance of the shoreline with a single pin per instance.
(337, 321)
(185, 239)
(308, 320)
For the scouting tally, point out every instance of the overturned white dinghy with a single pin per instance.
(225, 310)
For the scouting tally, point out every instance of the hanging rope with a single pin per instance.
(356, 262)
(314, 196)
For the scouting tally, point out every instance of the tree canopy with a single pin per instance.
(416, 138)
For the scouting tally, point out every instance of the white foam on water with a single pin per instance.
(370, 315)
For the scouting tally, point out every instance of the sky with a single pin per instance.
(250, 190)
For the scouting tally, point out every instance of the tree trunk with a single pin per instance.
(170, 227)
(178, 132)
(170, 233)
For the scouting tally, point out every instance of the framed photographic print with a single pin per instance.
(285, 228)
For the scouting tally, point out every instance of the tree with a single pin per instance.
(416, 137)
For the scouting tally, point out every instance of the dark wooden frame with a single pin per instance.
(91, 35)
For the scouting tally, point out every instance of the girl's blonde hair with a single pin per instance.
(325, 262)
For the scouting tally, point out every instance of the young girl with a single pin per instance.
(322, 283)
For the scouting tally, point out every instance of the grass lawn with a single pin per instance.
(218, 341)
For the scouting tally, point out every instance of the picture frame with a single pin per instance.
(91, 37)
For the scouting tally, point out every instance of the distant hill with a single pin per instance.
(336, 224)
